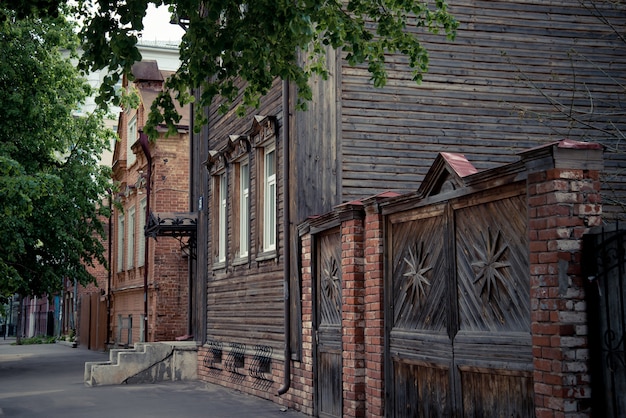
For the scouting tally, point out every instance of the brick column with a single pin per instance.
(353, 322)
(374, 313)
(302, 387)
(563, 202)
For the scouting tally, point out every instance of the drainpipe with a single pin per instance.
(75, 307)
(287, 240)
(109, 274)
(192, 264)
(145, 146)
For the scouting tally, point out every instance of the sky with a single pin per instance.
(157, 26)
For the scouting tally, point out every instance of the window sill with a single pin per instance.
(219, 266)
(240, 261)
(269, 255)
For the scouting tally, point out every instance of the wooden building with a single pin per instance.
(149, 287)
(518, 75)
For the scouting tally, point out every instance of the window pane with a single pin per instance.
(269, 206)
(141, 240)
(270, 168)
(244, 208)
(120, 243)
(272, 217)
(222, 218)
(130, 256)
(131, 138)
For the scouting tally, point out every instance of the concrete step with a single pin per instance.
(145, 363)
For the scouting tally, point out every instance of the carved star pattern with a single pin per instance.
(331, 289)
(489, 264)
(416, 280)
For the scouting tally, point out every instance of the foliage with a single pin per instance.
(27, 8)
(51, 182)
(37, 340)
(258, 41)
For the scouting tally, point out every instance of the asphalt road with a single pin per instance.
(47, 381)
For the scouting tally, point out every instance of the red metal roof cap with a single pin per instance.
(571, 144)
(459, 164)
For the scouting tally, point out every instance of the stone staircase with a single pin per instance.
(145, 363)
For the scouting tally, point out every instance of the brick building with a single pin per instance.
(149, 285)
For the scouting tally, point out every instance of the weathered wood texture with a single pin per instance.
(458, 307)
(245, 300)
(317, 148)
(508, 82)
(246, 308)
(328, 359)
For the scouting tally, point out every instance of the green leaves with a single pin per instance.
(51, 183)
(236, 49)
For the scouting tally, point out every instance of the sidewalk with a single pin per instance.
(46, 380)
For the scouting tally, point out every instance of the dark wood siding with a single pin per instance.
(503, 85)
(245, 301)
(246, 307)
(317, 148)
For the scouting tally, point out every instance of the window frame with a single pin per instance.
(132, 236)
(220, 219)
(141, 247)
(131, 138)
(120, 242)
(267, 201)
(241, 220)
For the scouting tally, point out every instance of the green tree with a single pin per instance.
(51, 182)
(258, 41)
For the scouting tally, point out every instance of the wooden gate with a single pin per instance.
(458, 307)
(328, 363)
(92, 322)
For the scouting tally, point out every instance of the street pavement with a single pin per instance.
(46, 380)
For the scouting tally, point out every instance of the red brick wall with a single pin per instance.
(168, 281)
(374, 318)
(353, 317)
(563, 203)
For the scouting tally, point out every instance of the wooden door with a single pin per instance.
(328, 389)
(458, 315)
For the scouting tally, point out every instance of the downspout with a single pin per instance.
(287, 240)
(75, 307)
(192, 263)
(145, 146)
(109, 274)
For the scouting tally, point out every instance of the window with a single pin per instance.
(120, 243)
(269, 199)
(141, 243)
(244, 208)
(130, 140)
(220, 195)
(130, 247)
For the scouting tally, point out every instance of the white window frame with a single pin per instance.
(269, 199)
(131, 138)
(120, 243)
(141, 243)
(244, 208)
(130, 247)
(221, 219)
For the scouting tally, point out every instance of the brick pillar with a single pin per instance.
(563, 202)
(304, 382)
(353, 320)
(374, 313)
